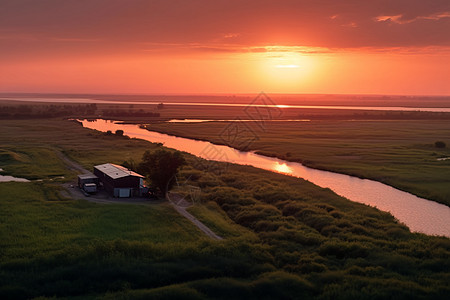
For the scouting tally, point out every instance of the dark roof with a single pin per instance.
(87, 176)
(116, 171)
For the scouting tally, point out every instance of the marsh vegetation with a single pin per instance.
(399, 153)
(284, 237)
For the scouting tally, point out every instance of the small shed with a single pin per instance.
(87, 178)
(120, 182)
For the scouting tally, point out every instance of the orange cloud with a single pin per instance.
(400, 19)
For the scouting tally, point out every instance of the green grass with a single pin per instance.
(216, 219)
(398, 153)
(338, 246)
(284, 237)
(32, 162)
(37, 227)
(29, 147)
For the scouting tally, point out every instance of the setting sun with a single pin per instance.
(284, 68)
(287, 66)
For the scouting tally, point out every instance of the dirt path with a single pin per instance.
(73, 166)
(181, 209)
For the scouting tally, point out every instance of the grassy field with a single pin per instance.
(41, 227)
(50, 243)
(400, 153)
(284, 237)
(218, 221)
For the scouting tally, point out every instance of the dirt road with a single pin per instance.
(73, 166)
(181, 209)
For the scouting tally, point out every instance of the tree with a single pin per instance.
(160, 167)
(439, 144)
(129, 164)
(119, 132)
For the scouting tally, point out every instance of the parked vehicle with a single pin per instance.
(90, 188)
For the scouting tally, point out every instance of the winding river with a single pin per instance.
(419, 214)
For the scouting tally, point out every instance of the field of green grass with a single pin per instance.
(55, 246)
(47, 226)
(283, 237)
(218, 221)
(400, 153)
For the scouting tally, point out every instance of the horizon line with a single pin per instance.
(225, 94)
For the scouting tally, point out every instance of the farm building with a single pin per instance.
(119, 181)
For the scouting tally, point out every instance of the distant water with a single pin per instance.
(418, 214)
(233, 120)
(91, 100)
(7, 178)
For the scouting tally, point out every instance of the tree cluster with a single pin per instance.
(130, 113)
(46, 111)
(160, 167)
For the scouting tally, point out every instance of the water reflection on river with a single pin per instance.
(418, 214)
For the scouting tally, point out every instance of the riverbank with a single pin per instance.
(419, 214)
(398, 153)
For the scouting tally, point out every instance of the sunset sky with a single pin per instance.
(225, 46)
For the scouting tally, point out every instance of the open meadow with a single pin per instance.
(283, 237)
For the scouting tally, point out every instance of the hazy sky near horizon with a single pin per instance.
(225, 46)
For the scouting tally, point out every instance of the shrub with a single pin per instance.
(330, 230)
(270, 194)
(440, 144)
(318, 222)
(343, 249)
(249, 216)
(281, 285)
(222, 195)
(293, 208)
(265, 225)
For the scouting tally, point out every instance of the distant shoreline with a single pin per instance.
(350, 102)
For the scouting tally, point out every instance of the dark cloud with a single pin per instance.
(95, 26)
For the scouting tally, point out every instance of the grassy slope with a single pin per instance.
(37, 227)
(399, 153)
(341, 246)
(75, 248)
(285, 237)
(217, 220)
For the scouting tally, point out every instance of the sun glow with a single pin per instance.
(285, 69)
(287, 66)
